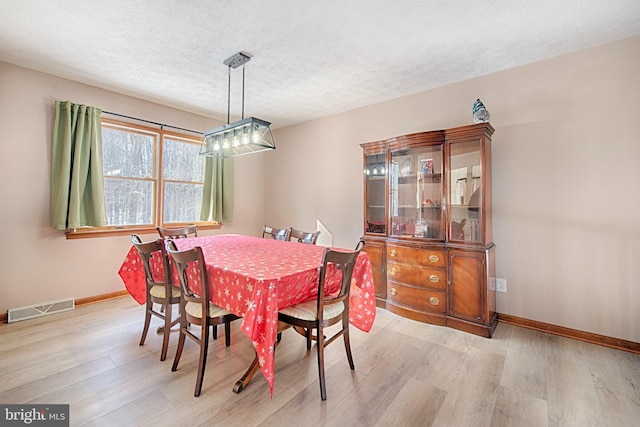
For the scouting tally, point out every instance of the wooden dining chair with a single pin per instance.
(178, 232)
(196, 308)
(304, 236)
(158, 291)
(276, 233)
(326, 310)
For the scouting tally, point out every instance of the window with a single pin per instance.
(182, 177)
(151, 178)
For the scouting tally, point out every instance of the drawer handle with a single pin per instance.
(392, 272)
(434, 279)
(434, 258)
(393, 253)
(393, 291)
(434, 301)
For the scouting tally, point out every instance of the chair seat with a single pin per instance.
(307, 310)
(195, 309)
(158, 292)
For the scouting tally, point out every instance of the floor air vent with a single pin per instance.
(37, 310)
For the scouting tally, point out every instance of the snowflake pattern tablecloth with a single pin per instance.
(254, 278)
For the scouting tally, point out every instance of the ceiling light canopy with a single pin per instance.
(246, 136)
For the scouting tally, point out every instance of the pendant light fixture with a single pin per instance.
(246, 136)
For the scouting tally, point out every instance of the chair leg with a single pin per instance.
(167, 330)
(320, 344)
(204, 346)
(214, 333)
(183, 335)
(227, 333)
(347, 345)
(147, 320)
(308, 335)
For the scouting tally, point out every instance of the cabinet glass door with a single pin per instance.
(415, 182)
(375, 173)
(466, 191)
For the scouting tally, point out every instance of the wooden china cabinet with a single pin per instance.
(427, 226)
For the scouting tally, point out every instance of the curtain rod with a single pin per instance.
(162, 125)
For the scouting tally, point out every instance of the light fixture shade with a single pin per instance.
(246, 136)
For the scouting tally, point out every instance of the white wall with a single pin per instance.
(566, 201)
(37, 263)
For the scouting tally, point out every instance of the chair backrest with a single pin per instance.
(178, 232)
(194, 287)
(147, 251)
(303, 236)
(345, 263)
(276, 233)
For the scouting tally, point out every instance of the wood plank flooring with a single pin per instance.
(407, 374)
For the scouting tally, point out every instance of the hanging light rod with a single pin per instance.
(246, 136)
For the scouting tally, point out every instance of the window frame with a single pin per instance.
(159, 182)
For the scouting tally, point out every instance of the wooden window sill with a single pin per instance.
(127, 231)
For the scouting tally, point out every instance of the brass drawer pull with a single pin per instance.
(434, 279)
(392, 272)
(393, 253)
(393, 291)
(434, 301)
(434, 258)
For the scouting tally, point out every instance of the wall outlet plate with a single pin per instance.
(501, 285)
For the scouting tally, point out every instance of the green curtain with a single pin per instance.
(217, 194)
(77, 182)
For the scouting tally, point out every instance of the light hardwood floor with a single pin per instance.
(407, 374)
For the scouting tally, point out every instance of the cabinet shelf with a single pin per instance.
(413, 180)
(412, 177)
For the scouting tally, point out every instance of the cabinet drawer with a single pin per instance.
(416, 275)
(413, 256)
(417, 298)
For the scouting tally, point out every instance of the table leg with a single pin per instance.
(302, 331)
(255, 365)
(160, 329)
(246, 378)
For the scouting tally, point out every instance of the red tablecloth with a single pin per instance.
(254, 278)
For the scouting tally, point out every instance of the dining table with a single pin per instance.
(255, 277)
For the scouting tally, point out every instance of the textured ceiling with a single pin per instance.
(309, 59)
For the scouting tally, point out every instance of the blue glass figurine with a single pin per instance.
(480, 112)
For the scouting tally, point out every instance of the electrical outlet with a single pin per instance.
(501, 285)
